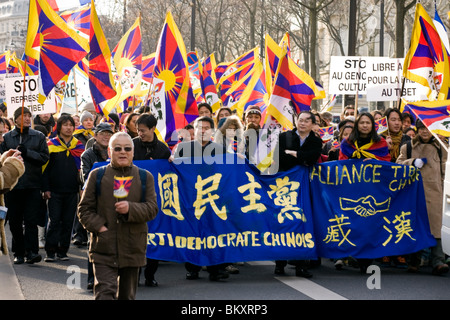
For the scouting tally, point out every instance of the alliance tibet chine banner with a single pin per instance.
(226, 211)
(369, 209)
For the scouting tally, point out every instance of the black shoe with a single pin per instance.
(50, 257)
(33, 258)
(192, 275)
(300, 272)
(63, 257)
(279, 271)
(151, 283)
(77, 242)
(90, 286)
(218, 276)
(19, 260)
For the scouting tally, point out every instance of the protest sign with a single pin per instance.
(15, 95)
(380, 78)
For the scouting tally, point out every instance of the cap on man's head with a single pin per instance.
(18, 112)
(104, 126)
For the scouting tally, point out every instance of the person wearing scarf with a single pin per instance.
(61, 186)
(395, 139)
(394, 135)
(86, 130)
(364, 142)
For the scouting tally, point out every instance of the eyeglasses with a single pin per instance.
(119, 149)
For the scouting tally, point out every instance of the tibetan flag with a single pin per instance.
(60, 5)
(148, 64)
(435, 115)
(17, 65)
(273, 55)
(427, 60)
(209, 82)
(330, 104)
(171, 66)
(75, 149)
(293, 92)
(79, 20)
(326, 133)
(122, 186)
(381, 125)
(372, 150)
(127, 57)
(303, 88)
(60, 47)
(440, 28)
(4, 62)
(254, 93)
(225, 69)
(232, 85)
(321, 90)
(195, 71)
(101, 81)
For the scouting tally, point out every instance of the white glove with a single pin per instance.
(418, 163)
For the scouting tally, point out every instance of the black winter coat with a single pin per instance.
(36, 155)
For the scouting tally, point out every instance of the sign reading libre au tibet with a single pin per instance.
(380, 78)
(15, 95)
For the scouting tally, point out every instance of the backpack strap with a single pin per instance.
(100, 173)
(408, 149)
(143, 176)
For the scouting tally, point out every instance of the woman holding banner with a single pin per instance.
(364, 142)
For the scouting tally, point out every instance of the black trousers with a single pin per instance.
(214, 269)
(24, 215)
(62, 208)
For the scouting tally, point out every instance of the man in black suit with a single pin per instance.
(300, 146)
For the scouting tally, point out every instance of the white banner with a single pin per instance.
(15, 96)
(380, 78)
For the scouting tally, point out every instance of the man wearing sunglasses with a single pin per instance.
(118, 226)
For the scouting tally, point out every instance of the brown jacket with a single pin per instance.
(125, 242)
(433, 174)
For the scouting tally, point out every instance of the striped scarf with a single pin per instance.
(88, 133)
(75, 148)
(372, 150)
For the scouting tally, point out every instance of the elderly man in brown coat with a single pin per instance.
(11, 169)
(427, 154)
(117, 221)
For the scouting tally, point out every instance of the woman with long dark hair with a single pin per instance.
(364, 142)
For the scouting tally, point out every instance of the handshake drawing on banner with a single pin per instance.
(364, 206)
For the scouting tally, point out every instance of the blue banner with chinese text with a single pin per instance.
(369, 209)
(215, 213)
(212, 213)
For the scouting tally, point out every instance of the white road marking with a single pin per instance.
(310, 288)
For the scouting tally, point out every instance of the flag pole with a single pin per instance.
(75, 88)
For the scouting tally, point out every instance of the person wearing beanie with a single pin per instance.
(85, 131)
(253, 116)
(32, 145)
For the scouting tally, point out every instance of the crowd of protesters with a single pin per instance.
(59, 152)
